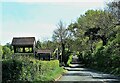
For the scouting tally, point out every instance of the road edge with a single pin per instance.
(57, 78)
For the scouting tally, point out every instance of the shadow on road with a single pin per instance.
(78, 73)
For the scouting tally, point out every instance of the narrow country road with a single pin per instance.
(77, 73)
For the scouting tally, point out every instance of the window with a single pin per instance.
(19, 49)
(28, 49)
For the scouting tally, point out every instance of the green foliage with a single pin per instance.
(9, 46)
(66, 57)
(7, 53)
(69, 60)
(107, 57)
(29, 69)
(97, 38)
(91, 27)
(11, 69)
(38, 44)
(113, 7)
(48, 45)
(98, 45)
(1, 52)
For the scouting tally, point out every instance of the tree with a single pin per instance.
(91, 33)
(9, 46)
(38, 44)
(94, 19)
(48, 45)
(1, 52)
(7, 53)
(91, 28)
(60, 35)
(114, 8)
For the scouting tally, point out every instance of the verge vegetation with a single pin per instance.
(29, 69)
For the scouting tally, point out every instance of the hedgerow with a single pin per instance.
(105, 58)
(29, 69)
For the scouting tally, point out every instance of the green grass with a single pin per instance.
(51, 76)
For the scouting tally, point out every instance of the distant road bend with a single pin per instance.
(77, 73)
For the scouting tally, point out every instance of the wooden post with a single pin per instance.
(14, 49)
(24, 49)
(32, 49)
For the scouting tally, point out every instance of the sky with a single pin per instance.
(26, 18)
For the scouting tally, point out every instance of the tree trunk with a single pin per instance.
(63, 51)
(104, 39)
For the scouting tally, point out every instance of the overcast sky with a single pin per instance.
(39, 19)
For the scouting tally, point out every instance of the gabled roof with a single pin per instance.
(23, 41)
(43, 51)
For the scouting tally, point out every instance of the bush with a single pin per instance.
(65, 57)
(29, 69)
(11, 69)
(69, 60)
(7, 53)
(104, 58)
(1, 52)
(107, 57)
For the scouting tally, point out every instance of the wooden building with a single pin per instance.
(24, 44)
(44, 54)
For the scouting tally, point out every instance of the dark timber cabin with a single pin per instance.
(24, 45)
(44, 54)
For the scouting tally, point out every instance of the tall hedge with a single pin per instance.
(26, 69)
(105, 58)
